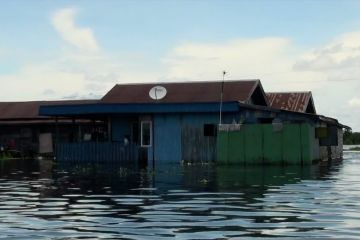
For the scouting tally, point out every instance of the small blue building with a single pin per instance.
(160, 123)
(170, 122)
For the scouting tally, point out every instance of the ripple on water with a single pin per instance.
(297, 202)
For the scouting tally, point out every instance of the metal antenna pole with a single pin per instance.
(221, 97)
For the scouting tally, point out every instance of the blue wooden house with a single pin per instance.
(160, 123)
(171, 122)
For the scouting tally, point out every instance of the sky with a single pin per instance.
(80, 49)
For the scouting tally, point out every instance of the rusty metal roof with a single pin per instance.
(30, 110)
(292, 101)
(185, 92)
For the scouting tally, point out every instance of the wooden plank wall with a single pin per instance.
(195, 147)
(93, 152)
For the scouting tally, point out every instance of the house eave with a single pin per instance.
(102, 109)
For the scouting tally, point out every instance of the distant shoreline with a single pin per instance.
(352, 147)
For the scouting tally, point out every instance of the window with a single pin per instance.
(266, 120)
(209, 130)
(146, 133)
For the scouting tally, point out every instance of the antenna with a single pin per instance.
(221, 97)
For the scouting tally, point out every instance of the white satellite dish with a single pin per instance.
(157, 92)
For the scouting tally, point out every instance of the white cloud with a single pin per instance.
(330, 71)
(268, 59)
(82, 38)
(243, 57)
(343, 53)
(354, 102)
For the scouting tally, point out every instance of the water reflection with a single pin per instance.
(40, 200)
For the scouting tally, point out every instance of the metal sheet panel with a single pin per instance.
(291, 101)
(30, 110)
(222, 147)
(272, 145)
(184, 92)
(236, 147)
(291, 144)
(253, 144)
(262, 145)
(307, 135)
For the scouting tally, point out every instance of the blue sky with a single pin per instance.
(79, 49)
(140, 24)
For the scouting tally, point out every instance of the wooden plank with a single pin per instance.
(222, 147)
(253, 144)
(90, 152)
(291, 144)
(272, 145)
(236, 154)
(307, 134)
(195, 147)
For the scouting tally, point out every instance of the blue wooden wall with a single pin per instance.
(167, 138)
(121, 126)
(169, 131)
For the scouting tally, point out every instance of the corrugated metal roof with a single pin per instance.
(292, 101)
(30, 110)
(184, 92)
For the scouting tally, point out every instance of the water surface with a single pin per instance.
(40, 200)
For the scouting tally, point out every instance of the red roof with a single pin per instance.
(30, 110)
(292, 101)
(185, 92)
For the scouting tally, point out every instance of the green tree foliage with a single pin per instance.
(351, 138)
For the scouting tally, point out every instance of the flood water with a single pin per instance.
(40, 200)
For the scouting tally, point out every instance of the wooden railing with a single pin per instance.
(96, 152)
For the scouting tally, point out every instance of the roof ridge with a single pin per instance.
(291, 92)
(50, 101)
(190, 81)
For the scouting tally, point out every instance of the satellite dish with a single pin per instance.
(157, 92)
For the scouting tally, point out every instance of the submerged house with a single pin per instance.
(328, 133)
(231, 122)
(23, 129)
(170, 122)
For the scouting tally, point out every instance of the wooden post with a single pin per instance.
(56, 133)
(73, 130)
(153, 142)
(109, 129)
(79, 133)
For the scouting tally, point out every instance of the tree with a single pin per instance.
(351, 138)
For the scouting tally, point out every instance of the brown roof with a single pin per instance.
(292, 101)
(30, 110)
(184, 92)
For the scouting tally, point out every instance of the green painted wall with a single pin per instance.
(223, 147)
(236, 153)
(273, 146)
(307, 139)
(291, 144)
(253, 144)
(261, 144)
